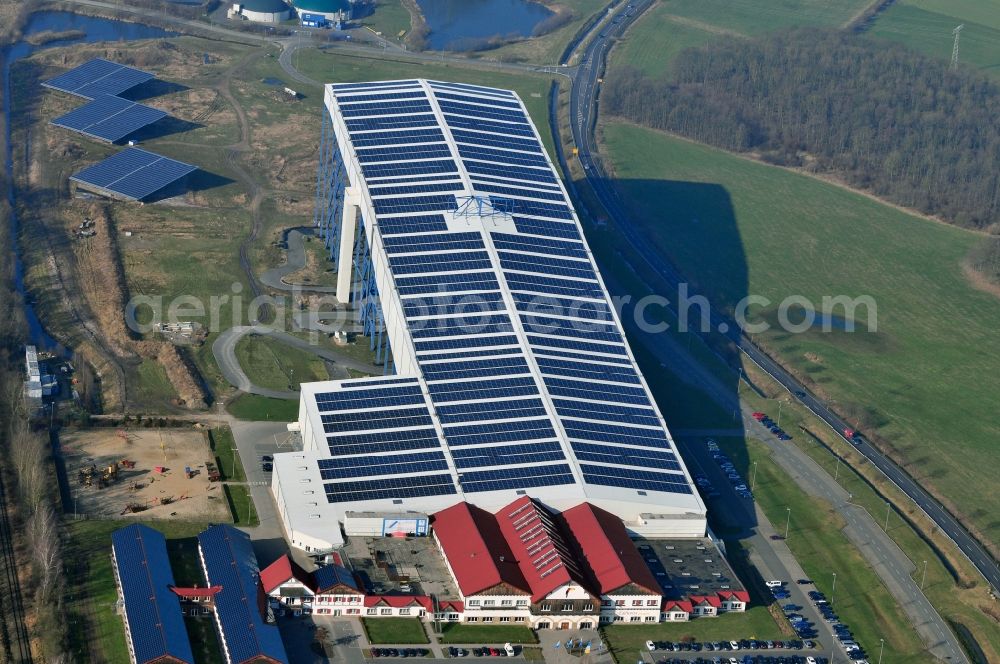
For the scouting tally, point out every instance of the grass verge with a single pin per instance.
(263, 409)
(226, 454)
(470, 634)
(241, 505)
(394, 631)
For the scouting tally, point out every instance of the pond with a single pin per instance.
(459, 25)
(93, 30)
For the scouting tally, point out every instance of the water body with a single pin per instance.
(457, 25)
(95, 30)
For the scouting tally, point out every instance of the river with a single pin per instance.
(95, 29)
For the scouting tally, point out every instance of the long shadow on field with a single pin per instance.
(679, 241)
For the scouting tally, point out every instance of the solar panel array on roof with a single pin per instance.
(98, 77)
(152, 611)
(229, 561)
(133, 173)
(109, 118)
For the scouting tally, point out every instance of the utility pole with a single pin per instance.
(888, 507)
(923, 577)
(954, 49)
(788, 520)
(834, 589)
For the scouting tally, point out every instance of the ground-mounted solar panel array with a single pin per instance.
(522, 378)
(109, 118)
(97, 78)
(133, 174)
(152, 610)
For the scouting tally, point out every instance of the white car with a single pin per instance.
(735, 645)
(774, 584)
(509, 649)
(810, 660)
(650, 646)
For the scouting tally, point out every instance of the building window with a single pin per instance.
(568, 606)
(543, 625)
(586, 625)
(404, 612)
(473, 602)
(619, 602)
(488, 619)
(452, 616)
(587, 607)
(472, 619)
(652, 602)
(607, 602)
(635, 619)
(373, 612)
(651, 618)
(637, 602)
(518, 618)
(489, 602)
(385, 612)
(619, 618)
(504, 618)
(605, 619)
(522, 602)
(506, 602)
(546, 607)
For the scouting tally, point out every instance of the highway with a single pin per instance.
(583, 114)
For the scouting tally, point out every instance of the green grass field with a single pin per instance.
(821, 548)
(241, 505)
(750, 17)
(272, 364)
(775, 234)
(390, 18)
(654, 40)
(224, 447)
(262, 409)
(467, 634)
(395, 631)
(926, 25)
(625, 641)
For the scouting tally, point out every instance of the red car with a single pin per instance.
(759, 416)
(494, 652)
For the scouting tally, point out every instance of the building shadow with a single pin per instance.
(198, 180)
(166, 126)
(153, 88)
(692, 365)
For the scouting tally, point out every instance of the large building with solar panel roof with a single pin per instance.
(507, 371)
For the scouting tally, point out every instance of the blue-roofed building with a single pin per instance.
(154, 624)
(507, 371)
(228, 560)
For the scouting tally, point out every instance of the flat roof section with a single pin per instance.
(688, 567)
(109, 118)
(98, 77)
(133, 174)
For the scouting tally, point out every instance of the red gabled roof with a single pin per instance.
(281, 570)
(738, 595)
(538, 547)
(207, 591)
(682, 604)
(456, 605)
(607, 554)
(399, 601)
(709, 599)
(476, 549)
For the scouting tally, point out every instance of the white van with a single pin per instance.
(774, 584)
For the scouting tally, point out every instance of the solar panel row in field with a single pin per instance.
(133, 174)
(109, 118)
(98, 77)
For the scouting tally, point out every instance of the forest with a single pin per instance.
(877, 116)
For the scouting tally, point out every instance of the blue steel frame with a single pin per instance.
(331, 178)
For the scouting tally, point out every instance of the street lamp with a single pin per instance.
(753, 480)
(888, 507)
(881, 647)
(834, 589)
(923, 577)
(788, 519)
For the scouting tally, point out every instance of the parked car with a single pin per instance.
(650, 646)
(267, 467)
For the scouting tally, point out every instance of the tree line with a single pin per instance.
(881, 117)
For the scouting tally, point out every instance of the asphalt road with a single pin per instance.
(583, 114)
(295, 260)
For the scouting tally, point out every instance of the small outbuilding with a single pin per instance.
(261, 11)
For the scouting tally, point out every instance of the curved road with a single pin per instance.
(583, 115)
(224, 349)
(295, 260)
